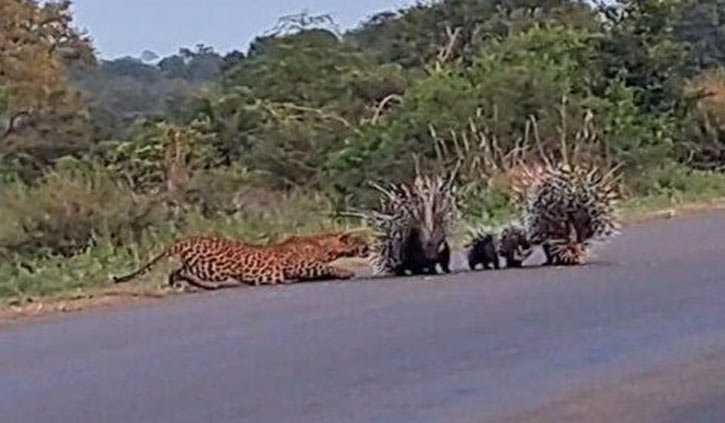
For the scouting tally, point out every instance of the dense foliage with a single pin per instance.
(110, 153)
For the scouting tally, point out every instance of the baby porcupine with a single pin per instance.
(566, 209)
(412, 226)
(510, 242)
(514, 246)
(483, 250)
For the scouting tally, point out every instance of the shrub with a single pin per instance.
(549, 76)
(704, 128)
(76, 225)
(68, 210)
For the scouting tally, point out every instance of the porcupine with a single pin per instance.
(510, 242)
(482, 250)
(412, 226)
(566, 209)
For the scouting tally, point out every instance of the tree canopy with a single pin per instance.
(307, 104)
(42, 116)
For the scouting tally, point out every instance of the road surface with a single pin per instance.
(636, 336)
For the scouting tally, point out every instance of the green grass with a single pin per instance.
(675, 189)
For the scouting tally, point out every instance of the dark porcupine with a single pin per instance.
(566, 209)
(483, 250)
(514, 246)
(511, 243)
(412, 226)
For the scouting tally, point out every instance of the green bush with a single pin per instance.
(68, 210)
(703, 130)
(72, 209)
(677, 182)
(529, 92)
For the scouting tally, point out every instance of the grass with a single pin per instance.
(676, 190)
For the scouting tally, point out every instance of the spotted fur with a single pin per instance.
(210, 262)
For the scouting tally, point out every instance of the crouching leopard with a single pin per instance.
(210, 262)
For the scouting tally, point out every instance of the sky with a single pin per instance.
(127, 27)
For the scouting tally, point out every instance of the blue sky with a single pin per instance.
(127, 27)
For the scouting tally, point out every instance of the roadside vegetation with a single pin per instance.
(104, 162)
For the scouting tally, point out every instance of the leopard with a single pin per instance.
(211, 262)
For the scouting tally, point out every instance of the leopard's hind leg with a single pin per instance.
(186, 275)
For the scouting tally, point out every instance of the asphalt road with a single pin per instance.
(636, 336)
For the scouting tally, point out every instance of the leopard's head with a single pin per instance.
(345, 245)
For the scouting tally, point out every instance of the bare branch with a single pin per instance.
(273, 107)
(381, 106)
(445, 53)
(14, 123)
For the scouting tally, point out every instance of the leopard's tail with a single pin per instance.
(146, 267)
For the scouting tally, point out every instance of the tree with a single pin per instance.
(641, 49)
(550, 75)
(421, 34)
(295, 99)
(120, 91)
(42, 116)
(701, 25)
(148, 56)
